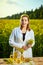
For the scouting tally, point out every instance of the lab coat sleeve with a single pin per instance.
(33, 37)
(12, 41)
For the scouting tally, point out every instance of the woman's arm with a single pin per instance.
(12, 41)
(33, 38)
(30, 45)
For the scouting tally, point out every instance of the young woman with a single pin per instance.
(21, 34)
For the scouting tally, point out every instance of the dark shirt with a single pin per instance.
(24, 36)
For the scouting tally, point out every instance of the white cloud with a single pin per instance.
(8, 9)
(12, 1)
(2, 2)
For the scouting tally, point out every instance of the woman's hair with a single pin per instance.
(28, 25)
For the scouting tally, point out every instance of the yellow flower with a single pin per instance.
(18, 60)
(20, 49)
(29, 42)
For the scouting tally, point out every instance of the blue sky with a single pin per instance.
(9, 7)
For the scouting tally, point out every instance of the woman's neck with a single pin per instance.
(23, 29)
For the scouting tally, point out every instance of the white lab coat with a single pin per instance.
(16, 39)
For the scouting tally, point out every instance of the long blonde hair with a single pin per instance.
(28, 25)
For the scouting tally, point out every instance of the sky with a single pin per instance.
(9, 7)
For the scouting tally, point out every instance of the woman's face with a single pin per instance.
(24, 21)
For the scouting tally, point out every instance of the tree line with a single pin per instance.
(36, 14)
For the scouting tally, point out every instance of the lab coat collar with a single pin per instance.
(21, 30)
(25, 35)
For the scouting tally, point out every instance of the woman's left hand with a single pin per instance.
(29, 45)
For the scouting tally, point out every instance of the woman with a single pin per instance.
(21, 34)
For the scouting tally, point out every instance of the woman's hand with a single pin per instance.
(29, 45)
(25, 47)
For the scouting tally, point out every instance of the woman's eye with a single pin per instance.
(22, 20)
(25, 20)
